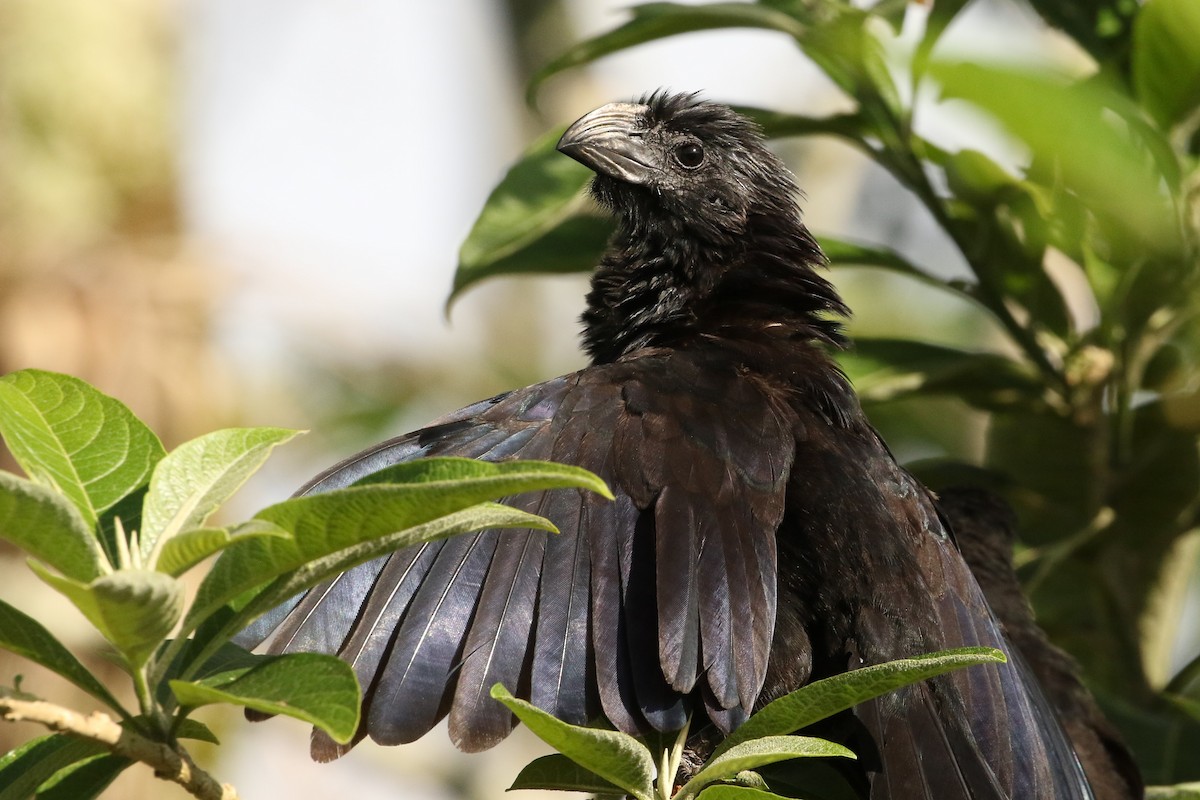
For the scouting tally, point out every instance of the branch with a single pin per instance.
(167, 762)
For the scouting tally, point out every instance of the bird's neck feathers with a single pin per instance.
(665, 281)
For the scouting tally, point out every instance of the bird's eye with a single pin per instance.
(689, 155)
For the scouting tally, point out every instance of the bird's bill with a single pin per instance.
(608, 141)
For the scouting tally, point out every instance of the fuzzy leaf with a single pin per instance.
(68, 436)
(133, 609)
(46, 525)
(615, 757)
(826, 697)
(319, 689)
(333, 531)
(185, 550)
(197, 477)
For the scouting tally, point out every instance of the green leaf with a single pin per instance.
(533, 221)
(653, 21)
(1069, 125)
(337, 529)
(185, 550)
(27, 767)
(84, 780)
(45, 525)
(133, 609)
(194, 729)
(615, 757)
(731, 792)
(824, 698)
(556, 772)
(756, 753)
(197, 477)
(25, 636)
(68, 436)
(319, 689)
(883, 369)
(1166, 61)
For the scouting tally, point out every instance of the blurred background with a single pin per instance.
(247, 213)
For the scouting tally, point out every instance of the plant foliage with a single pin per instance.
(111, 520)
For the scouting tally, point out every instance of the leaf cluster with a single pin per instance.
(112, 521)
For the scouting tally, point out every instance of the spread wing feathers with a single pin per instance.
(562, 619)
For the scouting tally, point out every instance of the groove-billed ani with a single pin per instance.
(762, 535)
(985, 529)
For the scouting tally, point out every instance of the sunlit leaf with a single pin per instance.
(1071, 125)
(319, 689)
(615, 757)
(133, 609)
(197, 477)
(46, 525)
(333, 531)
(185, 550)
(824, 698)
(68, 436)
(1166, 61)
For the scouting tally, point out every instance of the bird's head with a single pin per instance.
(675, 161)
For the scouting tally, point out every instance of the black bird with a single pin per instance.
(985, 528)
(762, 535)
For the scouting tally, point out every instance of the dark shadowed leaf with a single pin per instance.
(760, 751)
(886, 368)
(84, 780)
(731, 792)
(68, 436)
(319, 689)
(25, 636)
(535, 210)
(659, 20)
(615, 757)
(27, 767)
(556, 772)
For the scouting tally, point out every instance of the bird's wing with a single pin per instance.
(640, 609)
(882, 579)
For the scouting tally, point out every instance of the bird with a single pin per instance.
(985, 528)
(762, 535)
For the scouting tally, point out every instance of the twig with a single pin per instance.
(167, 762)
